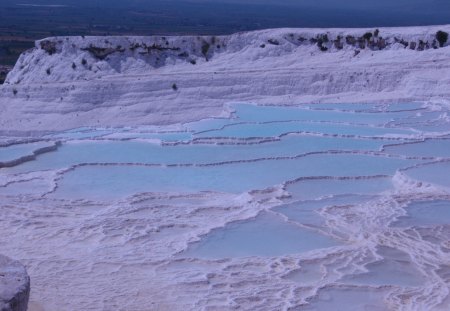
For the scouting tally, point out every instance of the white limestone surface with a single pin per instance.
(68, 82)
(139, 209)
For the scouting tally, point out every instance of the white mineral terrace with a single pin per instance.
(283, 177)
(69, 82)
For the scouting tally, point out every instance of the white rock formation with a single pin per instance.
(14, 285)
(67, 82)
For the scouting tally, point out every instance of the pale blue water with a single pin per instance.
(395, 268)
(329, 175)
(118, 181)
(81, 133)
(143, 152)
(16, 151)
(278, 128)
(350, 298)
(251, 113)
(437, 173)
(307, 212)
(208, 124)
(318, 188)
(367, 107)
(428, 148)
(267, 235)
(240, 167)
(425, 213)
(326, 166)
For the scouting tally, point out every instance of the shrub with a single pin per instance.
(48, 71)
(205, 48)
(442, 37)
(102, 53)
(48, 46)
(174, 87)
(367, 36)
(193, 62)
(83, 62)
(350, 40)
(434, 44)
(323, 38)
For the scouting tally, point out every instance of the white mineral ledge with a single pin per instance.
(14, 285)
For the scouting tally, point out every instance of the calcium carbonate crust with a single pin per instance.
(68, 82)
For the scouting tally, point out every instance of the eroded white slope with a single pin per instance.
(112, 81)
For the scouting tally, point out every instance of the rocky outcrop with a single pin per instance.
(14, 285)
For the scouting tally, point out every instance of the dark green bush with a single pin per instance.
(205, 48)
(48, 46)
(442, 37)
(367, 36)
(323, 38)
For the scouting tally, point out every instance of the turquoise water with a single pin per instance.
(118, 181)
(393, 268)
(246, 130)
(329, 213)
(251, 113)
(428, 148)
(329, 165)
(350, 298)
(307, 212)
(425, 213)
(143, 152)
(13, 152)
(437, 173)
(266, 235)
(367, 107)
(318, 188)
